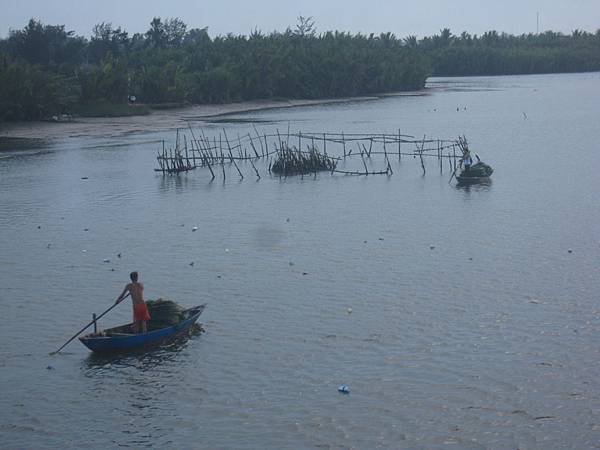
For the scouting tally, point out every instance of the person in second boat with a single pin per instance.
(467, 160)
(140, 311)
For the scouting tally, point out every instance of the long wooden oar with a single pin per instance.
(88, 325)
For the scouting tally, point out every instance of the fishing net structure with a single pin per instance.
(164, 313)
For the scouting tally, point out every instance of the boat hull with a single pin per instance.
(472, 180)
(114, 342)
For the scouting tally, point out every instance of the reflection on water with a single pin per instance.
(145, 359)
(476, 186)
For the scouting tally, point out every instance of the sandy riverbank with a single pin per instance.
(156, 121)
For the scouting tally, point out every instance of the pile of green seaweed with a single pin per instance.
(164, 313)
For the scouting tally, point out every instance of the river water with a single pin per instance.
(474, 323)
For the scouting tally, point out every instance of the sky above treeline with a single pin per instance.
(403, 18)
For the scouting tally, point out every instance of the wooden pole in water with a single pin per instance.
(221, 149)
(197, 145)
(421, 154)
(384, 148)
(252, 145)
(344, 144)
(364, 164)
(230, 155)
(209, 167)
(454, 156)
(266, 145)
(254, 167)
(259, 140)
(228, 146)
(187, 158)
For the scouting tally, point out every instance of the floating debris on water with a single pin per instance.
(344, 389)
(194, 228)
(349, 310)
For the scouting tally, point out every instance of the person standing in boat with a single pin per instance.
(467, 160)
(140, 310)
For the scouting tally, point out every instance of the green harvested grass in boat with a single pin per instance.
(164, 313)
(480, 169)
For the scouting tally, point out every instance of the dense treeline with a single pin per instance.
(504, 54)
(46, 70)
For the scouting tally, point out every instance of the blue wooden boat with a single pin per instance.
(122, 339)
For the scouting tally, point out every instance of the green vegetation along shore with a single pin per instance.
(47, 71)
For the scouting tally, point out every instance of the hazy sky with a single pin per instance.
(421, 18)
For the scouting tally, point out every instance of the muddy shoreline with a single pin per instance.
(161, 120)
(158, 120)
